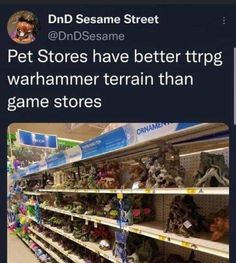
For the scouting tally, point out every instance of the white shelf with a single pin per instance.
(160, 191)
(89, 245)
(155, 230)
(48, 251)
(72, 257)
(32, 193)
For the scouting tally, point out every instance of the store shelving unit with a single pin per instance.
(155, 230)
(191, 142)
(94, 247)
(160, 191)
(41, 245)
(72, 257)
(50, 252)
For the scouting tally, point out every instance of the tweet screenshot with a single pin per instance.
(117, 133)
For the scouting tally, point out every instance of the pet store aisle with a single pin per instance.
(18, 252)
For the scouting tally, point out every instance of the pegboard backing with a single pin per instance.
(191, 163)
(208, 204)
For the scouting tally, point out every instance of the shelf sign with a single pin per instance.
(110, 141)
(34, 168)
(141, 132)
(32, 139)
(56, 160)
(73, 154)
(21, 172)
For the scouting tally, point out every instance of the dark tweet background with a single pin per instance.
(182, 27)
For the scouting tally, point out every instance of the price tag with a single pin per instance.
(185, 244)
(86, 222)
(191, 191)
(95, 224)
(120, 195)
(72, 218)
(187, 224)
(162, 238)
(135, 230)
(148, 190)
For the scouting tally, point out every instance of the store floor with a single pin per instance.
(18, 252)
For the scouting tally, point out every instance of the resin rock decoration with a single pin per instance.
(108, 176)
(111, 209)
(184, 218)
(137, 176)
(104, 244)
(70, 181)
(142, 249)
(58, 179)
(47, 181)
(100, 233)
(164, 169)
(92, 184)
(148, 250)
(78, 207)
(101, 202)
(220, 224)
(212, 172)
(83, 178)
(134, 258)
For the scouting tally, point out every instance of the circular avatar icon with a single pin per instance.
(23, 27)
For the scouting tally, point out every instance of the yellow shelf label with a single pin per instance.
(148, 190)
(162, 238)
(185, 244)
(135, 230)
(120, 195)
(191, 191)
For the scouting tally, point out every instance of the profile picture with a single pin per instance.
(23, 27)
